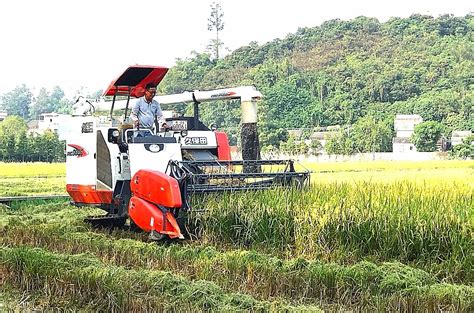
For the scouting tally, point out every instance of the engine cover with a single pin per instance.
(156, 187)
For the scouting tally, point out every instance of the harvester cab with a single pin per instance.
(150, 179)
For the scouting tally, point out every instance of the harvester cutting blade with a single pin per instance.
(218, 176)
(106, 221)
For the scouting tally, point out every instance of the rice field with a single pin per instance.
(27, 179)
(364, 237)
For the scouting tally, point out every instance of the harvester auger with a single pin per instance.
(150, 179)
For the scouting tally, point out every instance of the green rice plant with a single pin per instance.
(347, 223)
(24, 179)
(28, 186)
(260, 275)
(115, 288)
(400, 221)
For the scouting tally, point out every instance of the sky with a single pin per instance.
(85, 44)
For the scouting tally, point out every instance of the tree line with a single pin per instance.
(17, 145)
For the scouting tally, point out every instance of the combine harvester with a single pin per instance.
(150, 179)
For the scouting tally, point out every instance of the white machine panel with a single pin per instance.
(152, 156)
(80, 152)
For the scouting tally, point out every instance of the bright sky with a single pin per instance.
(87, 43)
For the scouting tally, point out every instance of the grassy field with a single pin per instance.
(364, 236)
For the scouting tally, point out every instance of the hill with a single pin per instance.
(342, 71)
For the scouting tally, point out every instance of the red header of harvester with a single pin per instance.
(134, 80)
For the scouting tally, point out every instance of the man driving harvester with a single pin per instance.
(147, 113)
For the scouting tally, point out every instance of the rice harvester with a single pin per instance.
(150, 179)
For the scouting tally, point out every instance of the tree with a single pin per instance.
(12, 138)
(426, 135)
(340, 143)
(215, 24)
(464, 150)
(41, 105)
(47, 102)
(17, 101)
(371, 136)
(53, 149)
(288, 105)
(21, 147)
(315, 147)
(188, 74)
(293, 146)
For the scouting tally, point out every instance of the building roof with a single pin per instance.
(32, 124)
(461, 133)
(408, 117)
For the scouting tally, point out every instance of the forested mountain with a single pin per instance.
(342, 71)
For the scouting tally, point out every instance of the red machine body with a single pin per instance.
(133, 81)
(154, 194)
(223, 147)
(88, 194)
(157, 188)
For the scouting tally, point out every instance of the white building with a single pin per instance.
(55, 122)
(458, 136)
(405, 126)
(402, 145)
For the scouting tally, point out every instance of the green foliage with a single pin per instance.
(288, 105)
(294, 147)
(315, 147)
(340, 143)
(366, 135)
(271, 136)
(20, 102)
(12, 138)
(17, 101)
(188, 74)
(371, 136)
(16, 145)
(426, 136)
(342, 71)
(465, 150)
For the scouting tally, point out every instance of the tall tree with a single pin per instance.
(12, 132)
(41, 105)
(17, 101)
(426, 135)
(215, 23)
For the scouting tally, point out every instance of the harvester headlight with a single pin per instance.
(213, 127)
(113, 135)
